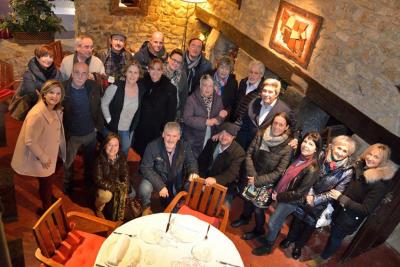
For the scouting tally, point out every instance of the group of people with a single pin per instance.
(187, 120)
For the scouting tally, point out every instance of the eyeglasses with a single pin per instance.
(176, 61)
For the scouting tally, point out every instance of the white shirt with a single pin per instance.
(265, 109)
(251, 87)
(218, 150)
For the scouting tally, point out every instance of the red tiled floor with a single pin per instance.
(28, 201)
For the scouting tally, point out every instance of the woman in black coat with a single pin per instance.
(225, 82)
(158, 106)
(373, 173)
(40, 69)
(292, 188)
(267, 158)
(336, 172)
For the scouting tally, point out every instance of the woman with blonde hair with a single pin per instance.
(41, 140)
(373, 174)
(121, 105)
(336, 173)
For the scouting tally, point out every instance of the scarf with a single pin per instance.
(174, 76)
(191, 65)
(49, 72)
(294, 169)
(268, 140)
(219, 83)
(331, 164)
(207, 100)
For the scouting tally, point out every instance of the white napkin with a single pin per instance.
(119, 250)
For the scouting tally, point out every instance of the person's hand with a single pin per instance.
(273, 196)
(294, 143)
(91, 76)
(164, 192)
(211, 122)
(215, 137)
(334, 194)
(223, 113)
(210, 181)
(46, 164)
(310, 200)
(193, 176)
(250, 179)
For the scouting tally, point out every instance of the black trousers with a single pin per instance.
(299, 232)
(248, 210)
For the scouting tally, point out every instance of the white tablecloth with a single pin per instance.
(171, 248)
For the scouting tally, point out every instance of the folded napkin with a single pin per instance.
(119, 250)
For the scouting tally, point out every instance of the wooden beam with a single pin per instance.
(337, 107)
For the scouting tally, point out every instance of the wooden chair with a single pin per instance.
(203, 202)
(7, 82)
(61, 244)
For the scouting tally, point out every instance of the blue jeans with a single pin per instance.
(126, 139)
(334, 241)
(282, 211)
(145, 190)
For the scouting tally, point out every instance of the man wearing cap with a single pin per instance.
(220, 161)
(151, 49)
(115, 57)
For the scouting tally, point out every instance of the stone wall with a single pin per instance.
(356, 55)
(168, 16)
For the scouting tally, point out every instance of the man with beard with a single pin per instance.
(83, 53)
(166, 163)
(154, 48)
(195, 64)
(115, 57)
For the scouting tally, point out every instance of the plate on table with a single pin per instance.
(151, 235)
(187, 262)
(203, 251)
(187, 229)
(122, 251)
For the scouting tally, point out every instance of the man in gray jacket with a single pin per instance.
(165, 164)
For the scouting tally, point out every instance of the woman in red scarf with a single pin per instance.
(292, 189)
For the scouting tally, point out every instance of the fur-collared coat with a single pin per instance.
(362, 195)
(113, 177)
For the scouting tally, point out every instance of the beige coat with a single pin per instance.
(41, 138)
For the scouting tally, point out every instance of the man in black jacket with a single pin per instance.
(220, 161)
(82, 118)
(151, 49)
(166, 162)
(261, 111)
(195, 64)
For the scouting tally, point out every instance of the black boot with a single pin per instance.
(251, 235)
(285, 243)
(264, 249)
(296, 253)
(239, 222)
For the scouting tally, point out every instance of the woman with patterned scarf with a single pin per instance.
(202, 114)
(335, 173)
(267, 158)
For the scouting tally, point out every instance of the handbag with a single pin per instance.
(261, 197)
(20, 106)
(326, 217)
(133, 208)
